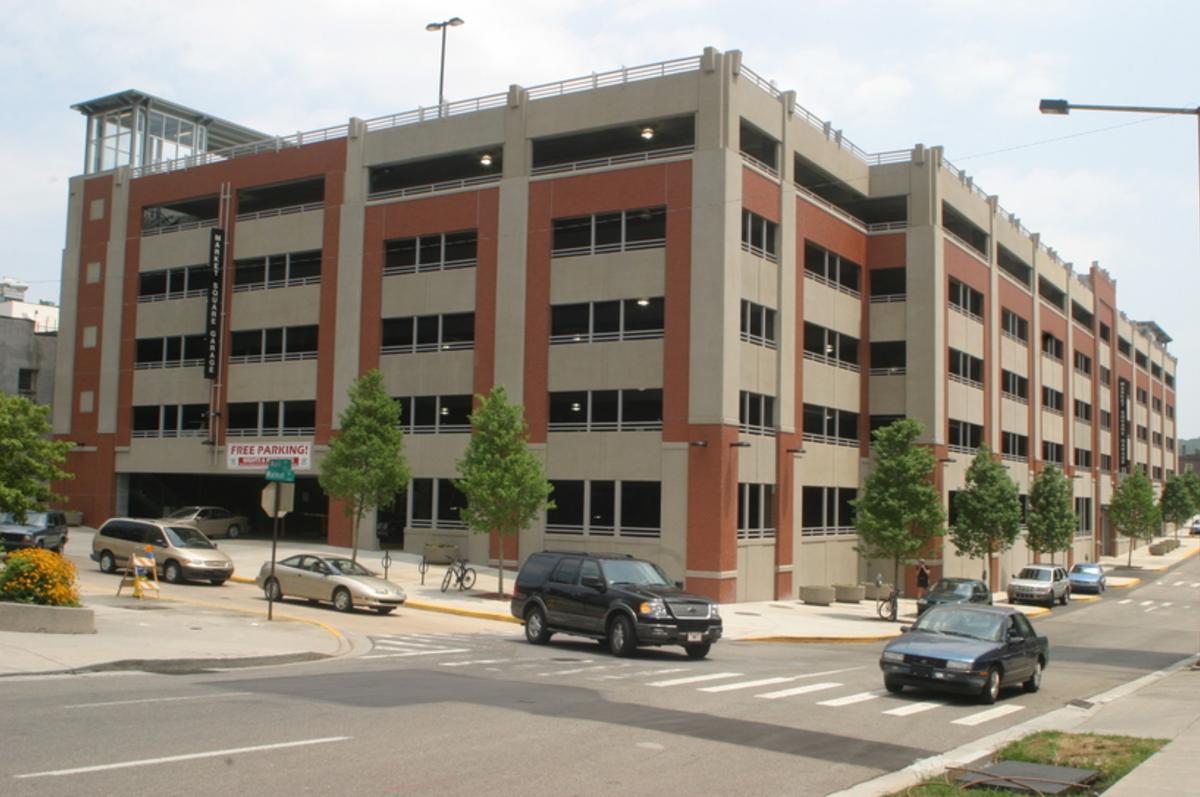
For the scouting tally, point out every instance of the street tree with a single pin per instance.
(1132, 511)
(365, 465)
(987, 510)
(1176, 504)
(1191, 480)
(29, 459)
(1052, 520)
(503, 481)
(900, 510)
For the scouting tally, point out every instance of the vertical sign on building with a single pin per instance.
(1123, 424)
(212, 322)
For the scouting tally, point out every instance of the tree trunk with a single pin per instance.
(354, 536)
(1129, 562)
(896, 574)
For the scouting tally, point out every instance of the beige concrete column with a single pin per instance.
(350, 268)
(991, 383)
(1035, 362)
(789, 259)
(68, 299)
(114, 297)
(511, 249)
(924, 322)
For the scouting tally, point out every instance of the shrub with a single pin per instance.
(35, 575)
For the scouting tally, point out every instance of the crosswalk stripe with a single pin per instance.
(1179, 583)
(985, 716)
(667, 671)
(1152, 608)
(416, 653)
(476, 661)
(1145, 603)
(695, 679)
(746, 684)
(403, 645)
(850, 699)
(1127, 600)
(912, 708)
(572, 672)
(799, 690)
(1166, 604)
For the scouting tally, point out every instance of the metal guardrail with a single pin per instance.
(429, 188)
(271, 284)
(615, 77)
(187, 225)
(284, 211)
(425, 268)
(604, 249)
(837, 286)
(766, 169)
(615, 160)
(827, 360)
(889, 298)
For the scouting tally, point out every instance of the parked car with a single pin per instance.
(1196, 528)
(181, 553)
(974, 650)
(1040, 584)
(955, 590)
(40, 530)
(330, 578)
(615, 598)
(212, 520)
(1087, 577)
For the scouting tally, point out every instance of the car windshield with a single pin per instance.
(635, 572)
(956, 622)
(186, 512)
(348, 568)
(1091, 570)
(31, 519)
(1035, 574)
(185, 537)
(952, 588)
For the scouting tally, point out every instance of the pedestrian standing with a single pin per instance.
(922, 578)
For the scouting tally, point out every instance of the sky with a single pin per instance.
(1116, 188)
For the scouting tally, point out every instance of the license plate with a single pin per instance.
(922, 672)
(694, 636)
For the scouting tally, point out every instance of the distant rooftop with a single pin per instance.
(1155, 331)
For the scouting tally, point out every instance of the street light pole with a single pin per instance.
(1062, 108)
(453, 22)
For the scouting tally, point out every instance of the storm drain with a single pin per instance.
(1023, 776)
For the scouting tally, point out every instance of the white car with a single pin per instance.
(1040, 584)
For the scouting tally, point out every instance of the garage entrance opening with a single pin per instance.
(153, 495)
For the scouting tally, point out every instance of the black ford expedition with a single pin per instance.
(614, 597)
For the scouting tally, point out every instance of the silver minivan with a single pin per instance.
(181, 553)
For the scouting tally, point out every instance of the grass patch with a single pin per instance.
(1113, 756)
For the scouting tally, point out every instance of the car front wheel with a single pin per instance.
(535, 627)
(234, 532)
(991, 688)
(698, 651)
(342, 600)
(621, 639)
(271, 590)
(892, 685)
(172, 572)
(108, 564)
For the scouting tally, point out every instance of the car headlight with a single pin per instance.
(959, 666)
(892, 656)
(655, 609)
(713, 611)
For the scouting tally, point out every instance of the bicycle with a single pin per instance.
(458, 573)
(886, 607)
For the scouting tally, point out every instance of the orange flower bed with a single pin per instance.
(35, 575)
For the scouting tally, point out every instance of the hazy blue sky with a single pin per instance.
(1116, 188)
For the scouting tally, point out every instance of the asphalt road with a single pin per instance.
(480, 711)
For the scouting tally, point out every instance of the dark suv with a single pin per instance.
(40, 530)
(613, 597)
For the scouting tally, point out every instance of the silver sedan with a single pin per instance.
(329, 578)
(213, 521)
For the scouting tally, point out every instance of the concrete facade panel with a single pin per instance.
(598, 366)
(296, 232)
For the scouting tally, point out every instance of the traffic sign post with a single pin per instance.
(277, 500)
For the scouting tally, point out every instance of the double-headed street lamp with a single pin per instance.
(1062, 108)
(453, 22)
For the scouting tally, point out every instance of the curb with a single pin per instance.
(1127, 582)
(817, 639)
(1084, 598)
(179, 666)
(344, 645)
(243, 580)
(480, 615)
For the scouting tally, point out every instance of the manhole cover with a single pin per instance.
(1081, 703)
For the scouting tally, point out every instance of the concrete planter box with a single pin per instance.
(30, 618)
(440, 553)
(874, 593)
(817, 596)
(849, 593)
(74, 517)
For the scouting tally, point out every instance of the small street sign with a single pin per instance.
(280, 470)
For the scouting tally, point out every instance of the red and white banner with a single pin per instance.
(256, 456)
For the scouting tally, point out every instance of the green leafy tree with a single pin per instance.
(1191, 480)
(1052, 520)
(900, 509)
(29, 459)
(503, 481)
(1176, 504)
(365, 466)
(988, 511)
(1133, 511)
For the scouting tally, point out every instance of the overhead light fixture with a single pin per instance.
(698, 443)
(485, 159)
(647, 133)
(643, 302)
(445, 410)
(575, 406)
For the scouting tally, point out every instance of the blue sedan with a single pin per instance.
(973, 650)
(1087, 577)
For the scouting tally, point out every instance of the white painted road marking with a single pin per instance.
(851, 699)
(1166, 604)
(157, 700)
(1145, 603)
(146, 762)
(799, 690)
(695, 679)
(985, 716)
(1127, 600)
(476, 661)
(912, 708)
(747, 684)
(572, 672)
(416, 653)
